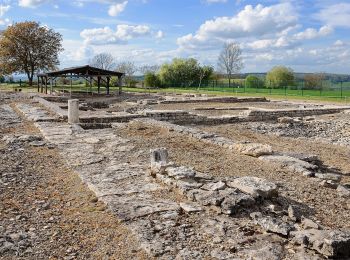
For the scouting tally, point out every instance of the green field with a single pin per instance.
(336, 94)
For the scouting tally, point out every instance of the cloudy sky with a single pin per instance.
(310, 36)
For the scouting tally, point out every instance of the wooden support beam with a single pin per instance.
(42, 84)
(45, 85)
(120, 83)
(38, 83)
(108, 79)
(98, 84)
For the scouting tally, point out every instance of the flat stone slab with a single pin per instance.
(35, 113)
(190, 207)
(291, 163)
(330, 243)
(272, 224)
(253, 149)
(181, 172)
(255, 186)
(136, 206)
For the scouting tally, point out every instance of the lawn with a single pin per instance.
(324, 95)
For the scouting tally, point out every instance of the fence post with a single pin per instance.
(302, 88)
(285, 90)
(341, 89)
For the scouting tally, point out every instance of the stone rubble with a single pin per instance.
(332, 244)
(211, 204)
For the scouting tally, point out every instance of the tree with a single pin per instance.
(230, 60)
(2, 79)
(27, 47)
(205, 72)
(184, 73)
(252, 81)
(103, 61)
(151, 80)
(280, 76)
(314, 81)
(129, 68)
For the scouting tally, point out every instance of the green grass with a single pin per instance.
(290, 94)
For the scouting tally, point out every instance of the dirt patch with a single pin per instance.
(325, 204)
(48, 213)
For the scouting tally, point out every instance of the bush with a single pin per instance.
(252, 81)
(152, 80)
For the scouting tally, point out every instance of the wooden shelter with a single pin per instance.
(87, 72)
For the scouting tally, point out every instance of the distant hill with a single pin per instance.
(300, 76)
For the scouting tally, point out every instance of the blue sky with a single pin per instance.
(310, 36)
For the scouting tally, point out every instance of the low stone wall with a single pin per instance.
(109, 119)
(52, 107)
(264, 115)
(214, 99)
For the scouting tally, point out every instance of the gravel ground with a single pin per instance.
(322, 203)
(46, 212)
(332, 155)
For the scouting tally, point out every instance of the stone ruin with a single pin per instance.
(229, 196)
(203, 216)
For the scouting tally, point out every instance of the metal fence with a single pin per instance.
(326, 88)
(292, 88)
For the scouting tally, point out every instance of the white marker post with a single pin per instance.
(73, 111)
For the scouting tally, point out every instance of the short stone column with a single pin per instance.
(159, 160)
(73, 111)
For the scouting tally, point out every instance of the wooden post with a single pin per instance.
(42, 84)
(45, 84)
(51, 86)
(108, 79)
(98, 84)
(91, 86)
(120, 83)
(71, 84)
(38, 83)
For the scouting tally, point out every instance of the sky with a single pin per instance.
(307, 36)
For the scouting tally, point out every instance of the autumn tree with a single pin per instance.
(103, 61)
(28, 47)
(230, 60)
(314, 80)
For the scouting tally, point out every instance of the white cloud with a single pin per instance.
(251, 21)
(312, 33)
(122, 34)
(117, 8)
(339, 43)
(4, 22)
(31, 3)
(159, 35)
(335, 15)
(4, 9)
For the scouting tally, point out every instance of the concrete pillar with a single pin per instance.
(73, 111)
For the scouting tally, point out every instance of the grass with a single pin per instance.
(289, 94)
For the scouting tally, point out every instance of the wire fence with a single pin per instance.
(288, 88)
(326, 88)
